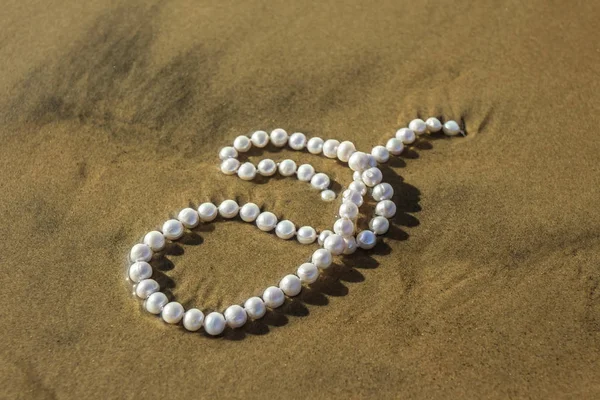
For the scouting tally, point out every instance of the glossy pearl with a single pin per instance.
(386, 208)
(305, 172)
(406, 135)
(308, 273)
(372, 177)
(255, 307)
(418, 126)
(242, 144)
(343, 227)
(335, 244)
(228, 152)
(395, 146)
(372, 161)
(315, 145)
(279, 137)
(330, 148)
(290, 285)
(287, 167)
(207, 212)
(266, 221)
(359, 187)
(189, 217)
(228, 209)
(383, 191)
(356, 176)
(351, 245)
(155, 240)
(345, 150)
(323, 235)
(379, 225)
(322, 258)
(267, 167)
(451, 128)
(381, 154)
(297, 141)
(214, 323)
(433, 125)
(366, 240)
(306, 235)
(140, 252)
(348, 210)
(172, 229)
(260, 139)
(273, 297)
(235, 316)
(249, 212)
(358, 161)
(155, 302)
(247, 171)
(139, 270)
(320, 181)
(146, 287)
(230, 166)
(193, 319)
(352, 196)
(328, 195)
(172, 313)
(285, 229)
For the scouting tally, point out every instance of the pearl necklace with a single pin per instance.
(342, 240)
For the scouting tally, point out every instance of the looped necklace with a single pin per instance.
(343, 239)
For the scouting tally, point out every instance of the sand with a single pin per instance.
(486, 287)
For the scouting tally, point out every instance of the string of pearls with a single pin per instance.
(343, 239)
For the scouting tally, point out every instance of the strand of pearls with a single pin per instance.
(344, 239)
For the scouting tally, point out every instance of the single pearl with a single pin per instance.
(279, 137)
(140, 270)
(266, 221)
(228, 209)
(227, 152)
(290, 285)
(287, 167)
(255, 307)
(146, 287)
(207, 212)
(323, 235)
(155, 302)
(235, 316)
(335, 244)
(343, 227)
(315, 145)
(433, 125)
(417, 126)
(297, 141)
(285, 229)
(351, 245)
(357, 176)
(345, 150)
(140, 252)
(172, 313)
(260, 139)
(451, 128)
(352, 196)
(386, 208)
(358, 161)
(322, 258)
(306, 235)
(381, 154)
(372, 161)
(328, 195)
(383, 191)
(230, 166)
(395, 146)
(247, 171)
(155, 240)
(242, 144)
(193, 319)
(330, 148)
(366, 240)
(172, 229)
(358, 186)
(406, 135)
(320, 181)
(273, 297)
(308, 273)
(372, 177)
(305, 172)
(267, 167)
(379, 225)
(249, 212)
(189, 217)
(214, 323)
(348, 210)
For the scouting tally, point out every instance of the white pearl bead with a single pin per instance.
(306, 235)
(330, 148)
(273, 297)
(193, 319)
(348, 210)
(228, 152)
(433, 125)
(155, 302)
(345, 150)
(357, 176)
(266, 221)
(379, 225)
(214, 323)
(358, 186)
(366, 240)
(328, 195)
(207, 212)
(146, 287)
(320, 181)
(308, 273)
(172, 312)
(140, 270)
(260, 139)
(322, 258)
(381, 154)
(290, 285)
(351, 245)
(358, 161)
(297, 141)
(155, 240)
(230, 166)
(372, 161)
(279, 137)
(335, 244)
(249, 212)
(352, 196)
(451, 128)
(189, 217)
(383, 191)
(343, 227)
(228, 209)
(242, 144)
(323, 235)
(285, 229)
(386, 208)
(372, 177)
(287, 167)
(140, 252)
(267, 167)
(172, 229)
(247, 171)
(395, 146)
(305, 172)
(417, 126)
(255, 307)
(235, 316)
(406, 135)
(315, 145)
